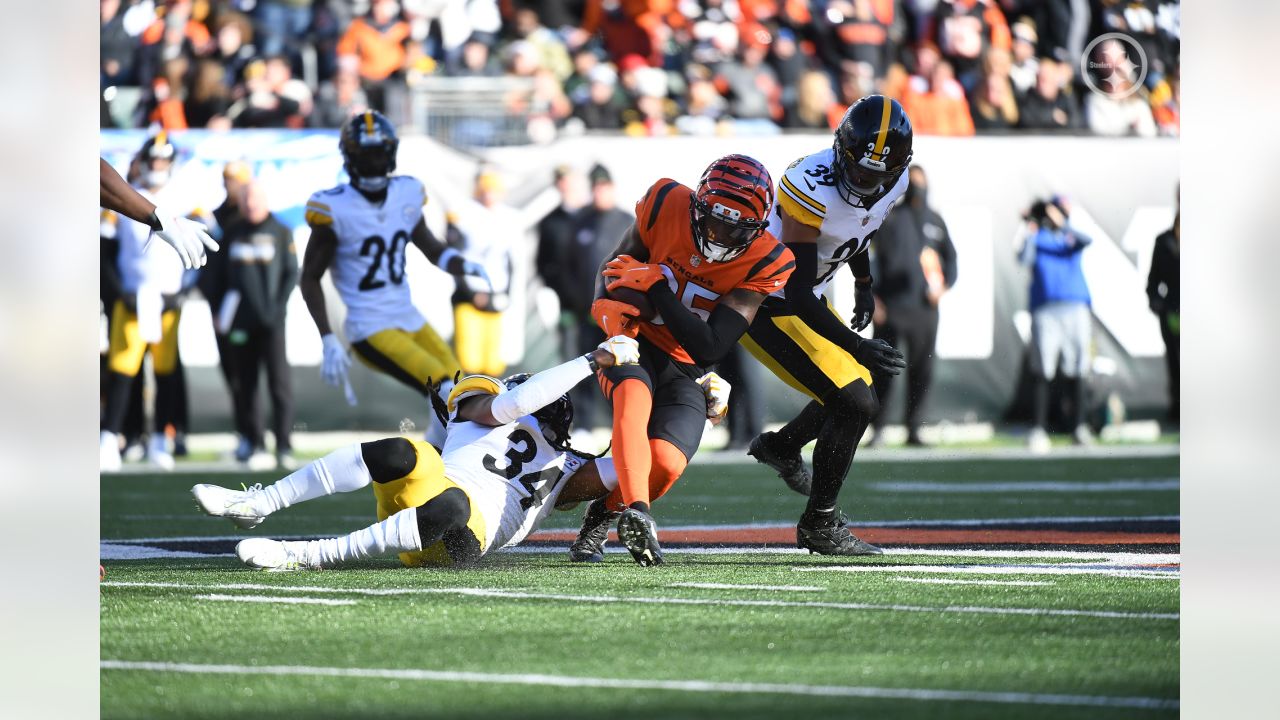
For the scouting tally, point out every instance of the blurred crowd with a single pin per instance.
(648, 67)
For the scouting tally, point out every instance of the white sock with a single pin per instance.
(342, 470)
(396, 534)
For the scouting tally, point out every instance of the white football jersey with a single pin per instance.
(368, 267)
(146, 261)
(511, 473)
(809, 194)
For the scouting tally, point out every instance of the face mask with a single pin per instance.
(371, 184)
(155, 178)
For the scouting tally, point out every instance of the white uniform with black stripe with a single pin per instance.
(512, 475)
(368, 266)
(809, 194)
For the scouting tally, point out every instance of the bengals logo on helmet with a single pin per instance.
(730, 207)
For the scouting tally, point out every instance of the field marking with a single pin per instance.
(642, 600)
(1029, 486)
(696, 686)
(1121, 572)
(276, 599)
(950, 581)
(122, 551)
(730, 586)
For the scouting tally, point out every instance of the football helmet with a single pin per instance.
(730, 207)
(872, 149)
(369, 144)
(554, 419)
(155, 160)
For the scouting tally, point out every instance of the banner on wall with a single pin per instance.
(1122, 193)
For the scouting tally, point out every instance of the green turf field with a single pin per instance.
(942, 633)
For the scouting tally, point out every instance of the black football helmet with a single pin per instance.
(554, 418)
(369, 144)
(872, 149)
(157, 148)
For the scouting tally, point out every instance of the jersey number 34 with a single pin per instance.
(522, 449)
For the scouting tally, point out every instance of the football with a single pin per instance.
(635, 299)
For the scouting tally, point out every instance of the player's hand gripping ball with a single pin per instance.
(615, 317)
(630, 279)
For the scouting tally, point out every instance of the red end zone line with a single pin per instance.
(901, 536)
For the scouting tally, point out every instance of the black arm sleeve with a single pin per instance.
(859, 264)
(809, 307)
(706, 342)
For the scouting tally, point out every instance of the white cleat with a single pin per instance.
(275, 555)
(1038, 441)
(158, 452)
(109, 460)
(235, 505)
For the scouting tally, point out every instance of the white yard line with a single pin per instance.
(729, 586)
(276, 599)
(949, 581)
(609, 599)
(1122, 572)
(695, 686)
(1027, 486)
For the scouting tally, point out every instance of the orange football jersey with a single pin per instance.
(663, 222)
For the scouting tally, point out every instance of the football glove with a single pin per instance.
(864, 305)
(188, 237)
(336, 362)
(717, 390)
(625, 350)
(477, 270)
(880, 357)
(615, 317)
(630, 273)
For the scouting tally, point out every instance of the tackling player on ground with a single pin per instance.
(704, 262)
(361, 230)
(506, 463)
(831, 204)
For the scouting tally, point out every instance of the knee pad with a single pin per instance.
(389, 459)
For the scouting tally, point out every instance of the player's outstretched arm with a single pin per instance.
(444, 257)
(189, 238)
(116, 194)
(543, 388)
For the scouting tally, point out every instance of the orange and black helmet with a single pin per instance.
(730, 207)
(872, 149)
(369, 144)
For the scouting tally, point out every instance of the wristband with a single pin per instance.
(591, 362)
(448, 254)
(153, 220)
(864, 283)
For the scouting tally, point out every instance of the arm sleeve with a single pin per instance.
(539, 391)
(809, 307)
(860, 264)
(706, 342)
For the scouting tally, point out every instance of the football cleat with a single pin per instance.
(275, 555)
(831, 537)
(791, 469)
(639, 534)
(589, 547)
(235, 505)
(109, 460)
(158, 452)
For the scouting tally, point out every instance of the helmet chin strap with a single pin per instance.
(371, 184)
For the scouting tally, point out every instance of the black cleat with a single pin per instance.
(589, 547)
(791, 469)
(831, 537)
(639, 534)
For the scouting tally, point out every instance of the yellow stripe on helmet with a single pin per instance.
(368, 122)
(887, 110)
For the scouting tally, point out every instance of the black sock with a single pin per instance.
(802, 429)
(837, 442)
(119, 393)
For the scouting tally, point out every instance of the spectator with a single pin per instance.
(549, 50)
(116, 46)
(485, 236)
(577, 85)
(214, 277)
(339, 99)
(476, 61)
(964, 30)
(937, 106)
(235, 47)
(167, 95)
(262, 267)
(556, 248)
(210, 98)
(750, 84)
(261, 106)
(1163, 295)
(280, 79)
(859, 31)
(1061, 323)
(603, 109)
(789, 65)
(548, 107)
(598, 228)
(1025, 65)
(815, 103)
(282, 23)
(1047, 107)
(914, 266)
(376, 45)
(169, 38)
(1122, 110)
(705, 107)
(856, 81)
(994, 106)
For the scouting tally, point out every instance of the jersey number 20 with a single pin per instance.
(377, 247)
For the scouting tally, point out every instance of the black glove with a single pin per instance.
(864, 306)
(880, 357)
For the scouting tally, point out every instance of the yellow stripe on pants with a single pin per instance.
(422, 354)
(477, 335)
(127, 348)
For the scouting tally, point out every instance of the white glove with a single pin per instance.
(717, 390)
(625, 350)
(477, 270)
(188, 237)
(336, 362)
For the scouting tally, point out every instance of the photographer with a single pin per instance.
(1061, 322)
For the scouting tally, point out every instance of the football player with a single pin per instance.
(506, 463)
(830, 205)
(361, 230)
(704, 261)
